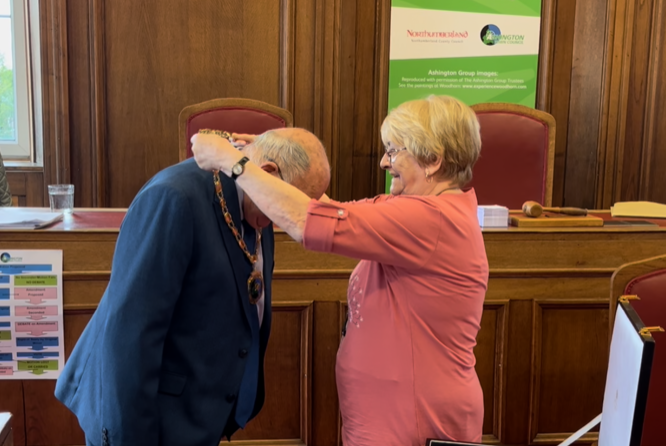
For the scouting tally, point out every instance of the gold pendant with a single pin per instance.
(255, 287)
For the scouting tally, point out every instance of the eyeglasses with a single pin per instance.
(392, 153)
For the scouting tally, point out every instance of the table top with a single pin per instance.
(110, 219)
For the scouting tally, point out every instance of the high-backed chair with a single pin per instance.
(647, 280)
(517, 155)
(233, 115)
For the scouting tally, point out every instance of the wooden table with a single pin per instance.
(541, 357)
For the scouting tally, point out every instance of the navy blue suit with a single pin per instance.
(162, 359)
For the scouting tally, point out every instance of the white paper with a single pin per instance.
(582, 431)
(31, 314)
(624, 370)
(493, 216)
(24, 218)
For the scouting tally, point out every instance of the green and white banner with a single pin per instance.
(474, 50)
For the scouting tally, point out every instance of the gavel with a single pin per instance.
(534, 209)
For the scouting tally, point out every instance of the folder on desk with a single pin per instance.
(627, 382)
(640, 209)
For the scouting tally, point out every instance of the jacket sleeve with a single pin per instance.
(151, 258)
(400, 231)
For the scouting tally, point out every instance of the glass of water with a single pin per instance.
(61, 197)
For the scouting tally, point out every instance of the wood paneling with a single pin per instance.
(570, 362)
(27, 187)
(116, 74)
(12, 402)
(541, 351)
(42, 410)
(490, 354)
(287, 409)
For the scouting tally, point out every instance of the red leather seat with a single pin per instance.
(647, 280)
(517, 155)
(231, 115)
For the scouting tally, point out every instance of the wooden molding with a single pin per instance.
(55, 92)
(616, 94)
(287, 53)
(306, 308)
(546, 50)
(98, 97)
(655, 78)
(499, 373)
(382, 47)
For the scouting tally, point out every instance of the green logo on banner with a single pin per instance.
(490, 34)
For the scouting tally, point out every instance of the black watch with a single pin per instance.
(239, 168)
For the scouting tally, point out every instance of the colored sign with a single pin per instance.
(31, 314)
(474, 50)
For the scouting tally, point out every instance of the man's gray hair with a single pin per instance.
(290, 156)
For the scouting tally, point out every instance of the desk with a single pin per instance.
(541, 354)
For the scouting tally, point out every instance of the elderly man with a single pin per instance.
(174, 353)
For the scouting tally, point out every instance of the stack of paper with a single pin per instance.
(493, 216)
(27, 218)
(644, 209)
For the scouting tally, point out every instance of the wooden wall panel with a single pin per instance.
(571, 355)
(489, 354)
(27, 187)
(653, 186)
(158, 60)
(42, 410)
(12, 402)
(116, 74)
(81, 102)
(585, 103)
(286, 411)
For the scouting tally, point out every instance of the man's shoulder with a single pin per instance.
(182, 181)
(184, 177)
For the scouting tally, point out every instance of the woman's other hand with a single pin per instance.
(212, 152)
(242, 139)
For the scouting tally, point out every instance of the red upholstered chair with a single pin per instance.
(517, 155)
(647, 280)
(231, 115)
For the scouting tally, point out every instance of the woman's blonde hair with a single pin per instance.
(438, 127)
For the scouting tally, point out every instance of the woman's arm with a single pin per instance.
(284, 204)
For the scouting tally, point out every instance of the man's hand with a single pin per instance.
(212, 152)
(242, 139)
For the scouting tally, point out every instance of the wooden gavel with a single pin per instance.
(534, 209)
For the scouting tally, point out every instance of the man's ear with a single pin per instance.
(271, 168)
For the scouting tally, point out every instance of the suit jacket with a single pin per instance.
(162, 359)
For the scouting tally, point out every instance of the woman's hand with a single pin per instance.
(212, 152)
(242, 139)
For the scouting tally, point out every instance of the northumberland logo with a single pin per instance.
(5, 257)
(441, 35)
(491, 35)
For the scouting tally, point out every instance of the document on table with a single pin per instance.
(21, 218)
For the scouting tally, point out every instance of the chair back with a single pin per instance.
(6, 434)
(233, 115)
(647, 280)
(517, 155)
